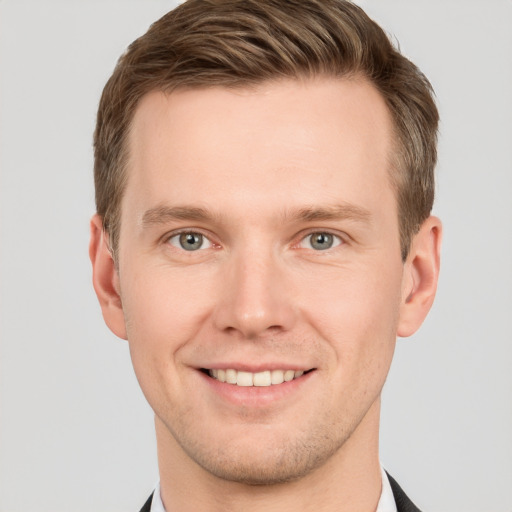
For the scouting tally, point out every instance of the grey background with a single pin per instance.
(75, 431)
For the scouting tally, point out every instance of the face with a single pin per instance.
(259, 271)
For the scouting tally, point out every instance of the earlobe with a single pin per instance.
(420, 277)
(105, 278)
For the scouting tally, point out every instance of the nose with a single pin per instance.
(254, 297)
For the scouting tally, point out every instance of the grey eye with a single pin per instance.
(320, 241)
(190, 241)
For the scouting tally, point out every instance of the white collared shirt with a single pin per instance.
(386, 502)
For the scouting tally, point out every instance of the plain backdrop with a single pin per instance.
(75, 432)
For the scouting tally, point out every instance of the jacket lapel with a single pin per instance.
(147, 505)
(403, 503)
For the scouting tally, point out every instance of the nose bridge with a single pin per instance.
(254, 298)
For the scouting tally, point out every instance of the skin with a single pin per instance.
(256, 172)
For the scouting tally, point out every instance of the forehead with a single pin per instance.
(275, 142)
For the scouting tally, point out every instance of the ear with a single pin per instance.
(105, 278)
(421, 272)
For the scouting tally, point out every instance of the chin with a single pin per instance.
(256, 470)
(254, 461)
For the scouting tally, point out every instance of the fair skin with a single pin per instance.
(259, 233)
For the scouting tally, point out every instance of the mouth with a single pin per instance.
(259, 379)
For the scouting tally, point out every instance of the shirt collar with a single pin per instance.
(387, 500)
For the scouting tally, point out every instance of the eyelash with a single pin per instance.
(177, 235)
(337, 240)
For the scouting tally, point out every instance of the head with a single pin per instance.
(264, 178)
(237, 44)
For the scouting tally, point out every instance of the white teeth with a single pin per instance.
(231, 376)
(277, 376)
(261, 379)
(289, 375)
(244, 379)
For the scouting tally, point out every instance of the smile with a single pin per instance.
(262, 379)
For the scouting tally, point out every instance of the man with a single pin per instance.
(264, 182)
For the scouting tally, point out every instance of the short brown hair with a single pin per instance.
(236, 43)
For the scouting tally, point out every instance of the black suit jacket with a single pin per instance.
(147, 505)
(403, 503)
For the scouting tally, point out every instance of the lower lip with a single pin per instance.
(255, 396)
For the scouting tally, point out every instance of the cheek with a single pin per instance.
(164, 310)
(163, 301)
(356, 310)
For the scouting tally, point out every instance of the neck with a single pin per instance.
(349, 481)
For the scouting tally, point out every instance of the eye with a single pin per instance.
(190, 241)
(320, 241)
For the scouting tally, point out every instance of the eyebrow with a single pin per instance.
(345, 211)
(164, 214)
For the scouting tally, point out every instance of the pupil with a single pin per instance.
(191, 241)
(322, 241)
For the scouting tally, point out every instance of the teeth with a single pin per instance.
(289, 375)
(231, 376)
(244, 379)
(277, 377)
(261, 379)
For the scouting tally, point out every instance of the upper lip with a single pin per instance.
(255, 368)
